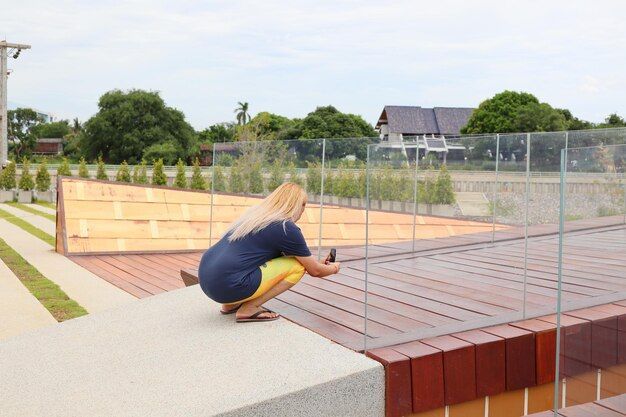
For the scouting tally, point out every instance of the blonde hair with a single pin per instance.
(283, 204)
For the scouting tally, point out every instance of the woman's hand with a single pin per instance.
(318, 269)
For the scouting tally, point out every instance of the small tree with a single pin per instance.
(158, 176)
(314, 178)
(293, 174)
(218, 177)
(123, 173)
(197, 180)
(64, 169)
(236, 180)
(26, 181)
(140, 173)
(83, 172)
(42, 179)
(7, 178)
(444, 192)
(255, 178)
(277, 175)
(181, 180)
(101, 172)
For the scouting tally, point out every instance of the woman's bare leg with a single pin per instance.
(252, 306)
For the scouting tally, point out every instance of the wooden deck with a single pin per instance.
(448, 285)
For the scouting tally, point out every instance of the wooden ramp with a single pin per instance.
(112, 217)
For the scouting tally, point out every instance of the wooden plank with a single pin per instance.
(545, 347)
(398, 395)
(520, 355)
(459, 365)
(603, 336)
(427, 375)
(575, 345)
(490, 361)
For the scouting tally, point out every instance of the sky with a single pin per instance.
(288, 57)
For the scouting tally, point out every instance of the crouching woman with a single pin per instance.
(261, 255)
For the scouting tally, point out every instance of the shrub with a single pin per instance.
(64, 169)
(443, 192)
(346, 185)
(218, 178)
(140, 173)
(101, 172)
(277, 175)
(123, 173)
(255, 178)
(236, 180)
(26, 181)
(197, 180)
(181, 180)
(42, 179)
(158, 176)
(293, 174)
(314, 178)
(83, 172)
(7, 177)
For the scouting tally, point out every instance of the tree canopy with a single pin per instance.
(512, 111)
(22, 124)
(52, 130)
(128, 124)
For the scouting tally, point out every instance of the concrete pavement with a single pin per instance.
(20, 311)
(175, 354)
(84, 287)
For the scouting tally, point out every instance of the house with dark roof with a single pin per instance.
(396, 122)
(425, 129)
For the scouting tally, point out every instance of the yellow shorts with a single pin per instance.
(285, 268)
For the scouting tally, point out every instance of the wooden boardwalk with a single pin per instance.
(448, 285)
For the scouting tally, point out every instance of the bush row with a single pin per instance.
(245, 176)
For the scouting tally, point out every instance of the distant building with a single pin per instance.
(49, 146)
(396, 122)
(399, 124)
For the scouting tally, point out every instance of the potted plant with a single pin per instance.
(7, 183)
(26, 184)
(42, 183)
(140, 173)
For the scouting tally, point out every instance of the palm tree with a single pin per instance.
(243, 116)
(77, 127)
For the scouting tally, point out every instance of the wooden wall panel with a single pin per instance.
(126, 209)
(575, 345)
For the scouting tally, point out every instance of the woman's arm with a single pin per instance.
(318, 269)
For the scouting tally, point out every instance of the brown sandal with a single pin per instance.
(255, 317)
(231, 311)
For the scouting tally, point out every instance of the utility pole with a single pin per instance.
(4, 128)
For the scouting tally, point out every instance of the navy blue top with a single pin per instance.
(229, 271)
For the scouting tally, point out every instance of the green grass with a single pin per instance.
(46, 204)
(31, 210)
(24, 225)
(47, 292)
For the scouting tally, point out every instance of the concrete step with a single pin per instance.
(175, 354)
(473, 204)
